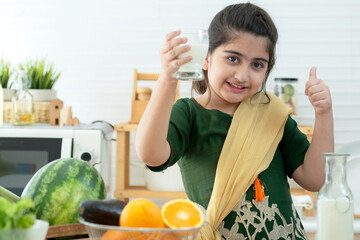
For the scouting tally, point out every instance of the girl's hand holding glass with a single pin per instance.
(198, 39)
(170, 52)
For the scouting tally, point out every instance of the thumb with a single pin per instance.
(312, 74)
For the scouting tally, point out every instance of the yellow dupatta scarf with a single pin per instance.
(249, 147)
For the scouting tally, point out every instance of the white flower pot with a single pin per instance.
(43, 95)
(167, 181)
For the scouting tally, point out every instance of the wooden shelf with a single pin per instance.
(123, 189)
(66, 230)
(135, 191)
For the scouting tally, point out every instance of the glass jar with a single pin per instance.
(335, 203)
(285, 89)
(23, 102)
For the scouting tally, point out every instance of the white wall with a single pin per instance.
(97, 44)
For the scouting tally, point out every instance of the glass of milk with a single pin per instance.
(199, 41)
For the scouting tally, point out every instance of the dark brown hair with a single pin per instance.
(234, 19)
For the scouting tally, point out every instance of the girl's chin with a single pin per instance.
(235, 100)
(236, 97)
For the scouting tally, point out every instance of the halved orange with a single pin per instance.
(181, 213)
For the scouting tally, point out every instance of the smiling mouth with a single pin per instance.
(236, 86)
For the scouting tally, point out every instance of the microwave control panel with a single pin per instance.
(88, 145)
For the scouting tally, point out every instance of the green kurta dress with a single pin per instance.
(196, 136)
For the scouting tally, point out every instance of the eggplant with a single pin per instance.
(105, 212)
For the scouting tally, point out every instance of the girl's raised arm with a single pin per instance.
(310, 175)
(150, 143)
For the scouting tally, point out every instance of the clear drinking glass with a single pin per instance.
(335, 203)
(199, 41)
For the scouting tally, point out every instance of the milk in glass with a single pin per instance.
(335, 202)
(198, 41)
(335, 219)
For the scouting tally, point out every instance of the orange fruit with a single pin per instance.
(141, 213)
(113, 235)
(144, 236)
(135, 236)
(124, 235)
(181, 213)
(169, 236)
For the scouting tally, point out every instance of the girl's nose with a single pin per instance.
(242, 74)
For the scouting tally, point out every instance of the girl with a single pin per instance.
(236, 144)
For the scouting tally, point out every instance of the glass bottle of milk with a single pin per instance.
(335, 204)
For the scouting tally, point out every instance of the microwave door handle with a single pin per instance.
(66, 148)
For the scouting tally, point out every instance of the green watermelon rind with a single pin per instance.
(57, 201)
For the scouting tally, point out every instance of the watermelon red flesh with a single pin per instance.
(59, 187)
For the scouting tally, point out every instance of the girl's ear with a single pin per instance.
(205, 64)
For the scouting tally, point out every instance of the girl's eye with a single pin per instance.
(233, 59)
(258, 65)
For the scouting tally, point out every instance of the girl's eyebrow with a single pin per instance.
(241, 55)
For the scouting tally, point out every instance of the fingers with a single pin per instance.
(312, 80)
(172, 57)
(318, 93)
(175, 52)
(172, 52)
(314, 86)
(321, 101)
(182, 61)
(172, 34)
(312, 74)
(172, 43)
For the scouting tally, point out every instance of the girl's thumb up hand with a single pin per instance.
(311, 81)
(318, 93)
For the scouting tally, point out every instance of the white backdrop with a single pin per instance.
(97, 44)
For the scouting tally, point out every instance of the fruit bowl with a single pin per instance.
(107, 232)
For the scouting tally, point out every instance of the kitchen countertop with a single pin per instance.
(310, 226)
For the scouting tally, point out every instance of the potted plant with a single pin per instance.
(5, 74)
(42, 77)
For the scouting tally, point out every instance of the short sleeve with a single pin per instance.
(293, 146)
(178, 133)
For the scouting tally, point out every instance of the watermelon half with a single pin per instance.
(59, 187)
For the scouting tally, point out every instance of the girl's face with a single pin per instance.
(236, 70)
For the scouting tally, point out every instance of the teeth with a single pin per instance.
(235, 86)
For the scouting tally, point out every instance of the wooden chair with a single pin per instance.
(138, 105)
(123, 189)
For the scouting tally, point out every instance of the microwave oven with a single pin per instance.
(24, 150)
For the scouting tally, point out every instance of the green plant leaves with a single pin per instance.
(5, 73)
(40, 74)
(16, 215)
